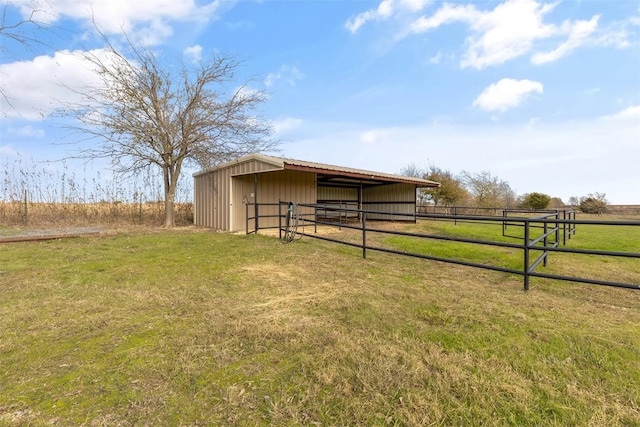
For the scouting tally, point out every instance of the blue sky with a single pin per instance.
(544, 95)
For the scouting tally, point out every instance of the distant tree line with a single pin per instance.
(482, 189)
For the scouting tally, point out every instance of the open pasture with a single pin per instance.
(191, 327)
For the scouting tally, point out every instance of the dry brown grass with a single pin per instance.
(76, 214)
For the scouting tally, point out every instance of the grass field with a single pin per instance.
(17, 214)
(592, 237)
(190, 327)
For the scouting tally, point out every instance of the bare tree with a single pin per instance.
(18, 31)
(451, 191)
(144, 115)
(488, 190)
(22, 32)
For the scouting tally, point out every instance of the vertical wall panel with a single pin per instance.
(213, 195)
(390, 193)
(334, 194)
(286, 186)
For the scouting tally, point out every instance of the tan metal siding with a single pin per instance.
(243, 189)
(390, 193)
(343, 194)
(213, 195)
(205, 193)
(287, 186)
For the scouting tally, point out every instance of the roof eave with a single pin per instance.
(249, 157)
(362, 175)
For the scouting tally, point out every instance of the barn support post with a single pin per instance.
(415, 206)
(279, 219)
(360, 200)
(255, 201)
(364, 235)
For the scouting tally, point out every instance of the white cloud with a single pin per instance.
(506, 94)
(448, 13)
(618, 33)
(246, 92)
(285, 125)
(373, 136)
(36, 88)
(194, 53)
(414, 5)
(385, 10)
(578, 32)
(497, 36)
(272, 78)
(629, 113)
(149, 20)
(513, 28)
(286, 73)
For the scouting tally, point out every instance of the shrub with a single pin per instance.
(594, 203)
(535, 201)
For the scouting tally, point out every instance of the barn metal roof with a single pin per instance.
(327, 174)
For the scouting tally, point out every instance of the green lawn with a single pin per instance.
(191, 327)
(595, 237)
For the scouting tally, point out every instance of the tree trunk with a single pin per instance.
(169, 198)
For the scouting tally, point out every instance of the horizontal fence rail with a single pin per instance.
(543, 233)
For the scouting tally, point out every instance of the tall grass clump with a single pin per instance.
(44, 194)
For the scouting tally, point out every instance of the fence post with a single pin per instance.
(455, 215)
(546, 228)
(526, 255)
(279, 219)
(504, 222)
(557, 234)
(256, 216)
(26, 209)
(364, 235)
(246, 218)
(140, 210)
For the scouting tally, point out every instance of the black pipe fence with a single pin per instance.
(568, 228)
(545, 233)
